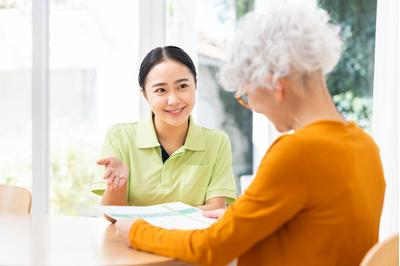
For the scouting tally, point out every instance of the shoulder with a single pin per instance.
(323, 141)
(298, 147)
(288, 145)
(122, 129)
(214, 135)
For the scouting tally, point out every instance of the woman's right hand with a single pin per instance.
(116, 172)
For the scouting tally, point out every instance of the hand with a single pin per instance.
(116, 172)
(123, 229)
(215, 214)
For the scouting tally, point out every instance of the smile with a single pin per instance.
(175, 111)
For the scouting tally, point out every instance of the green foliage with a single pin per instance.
(355, 70)
(243, 7)
(9, 180)
(72, 175)
(354, 108)
(351, 83)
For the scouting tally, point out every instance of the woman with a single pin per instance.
(166, 157)
(318, 193)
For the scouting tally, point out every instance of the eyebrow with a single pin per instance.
(164, 83)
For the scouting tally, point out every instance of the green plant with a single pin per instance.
(354, 108)
(355, 70)
(9, 180)
(72, 172)
(351, 82)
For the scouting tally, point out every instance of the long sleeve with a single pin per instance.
(275, 196)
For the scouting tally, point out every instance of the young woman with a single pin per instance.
(318, 193)
(166, 157)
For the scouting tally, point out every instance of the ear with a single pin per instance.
(279, 90)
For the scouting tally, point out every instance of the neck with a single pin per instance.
(313, 105)
(172, 135)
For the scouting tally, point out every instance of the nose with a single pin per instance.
(173, 99)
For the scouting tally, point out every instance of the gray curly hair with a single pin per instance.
(267, 46)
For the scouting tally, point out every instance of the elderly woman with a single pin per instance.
(318, 193)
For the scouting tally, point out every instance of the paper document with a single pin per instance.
(174, 215)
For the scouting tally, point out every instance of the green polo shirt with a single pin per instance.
(199, 170)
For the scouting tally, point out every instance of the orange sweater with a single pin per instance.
(316, 200)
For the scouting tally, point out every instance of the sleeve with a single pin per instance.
(277, 194)
(111, 147)
(222, 182)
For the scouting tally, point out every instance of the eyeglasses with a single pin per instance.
(243, 100)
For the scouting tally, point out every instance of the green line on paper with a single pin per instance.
(153, 215)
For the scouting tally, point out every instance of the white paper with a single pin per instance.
(173, 215)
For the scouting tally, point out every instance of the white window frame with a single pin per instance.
(40, 107)
(152, 33)
(386, 116)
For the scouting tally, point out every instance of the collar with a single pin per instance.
(195, 139)
(147, 137)
(146, 133)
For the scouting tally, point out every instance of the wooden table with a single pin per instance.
(59, 240)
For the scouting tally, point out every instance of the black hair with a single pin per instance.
(160, 54)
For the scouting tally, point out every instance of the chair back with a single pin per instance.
(15, 199)
(385, 253)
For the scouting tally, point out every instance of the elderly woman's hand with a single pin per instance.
(215, 214)
(123, 229)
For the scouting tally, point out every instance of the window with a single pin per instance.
(93, 85)
(15, 90)
(351, 82)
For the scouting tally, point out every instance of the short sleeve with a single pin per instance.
(111, 147)
(222, 182)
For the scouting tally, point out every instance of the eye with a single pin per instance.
(159, 90)
(183, 86)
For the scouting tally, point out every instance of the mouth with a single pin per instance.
(175, 111)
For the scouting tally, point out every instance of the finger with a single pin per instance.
(109, 182)
(107, 173)
(103, 161)
(110, 179)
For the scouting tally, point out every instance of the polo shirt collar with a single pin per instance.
(146, 133)
(195, 139)
(147, 137)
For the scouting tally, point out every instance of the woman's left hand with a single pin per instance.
(123, 229)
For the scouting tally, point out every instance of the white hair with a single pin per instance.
(267, 46)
